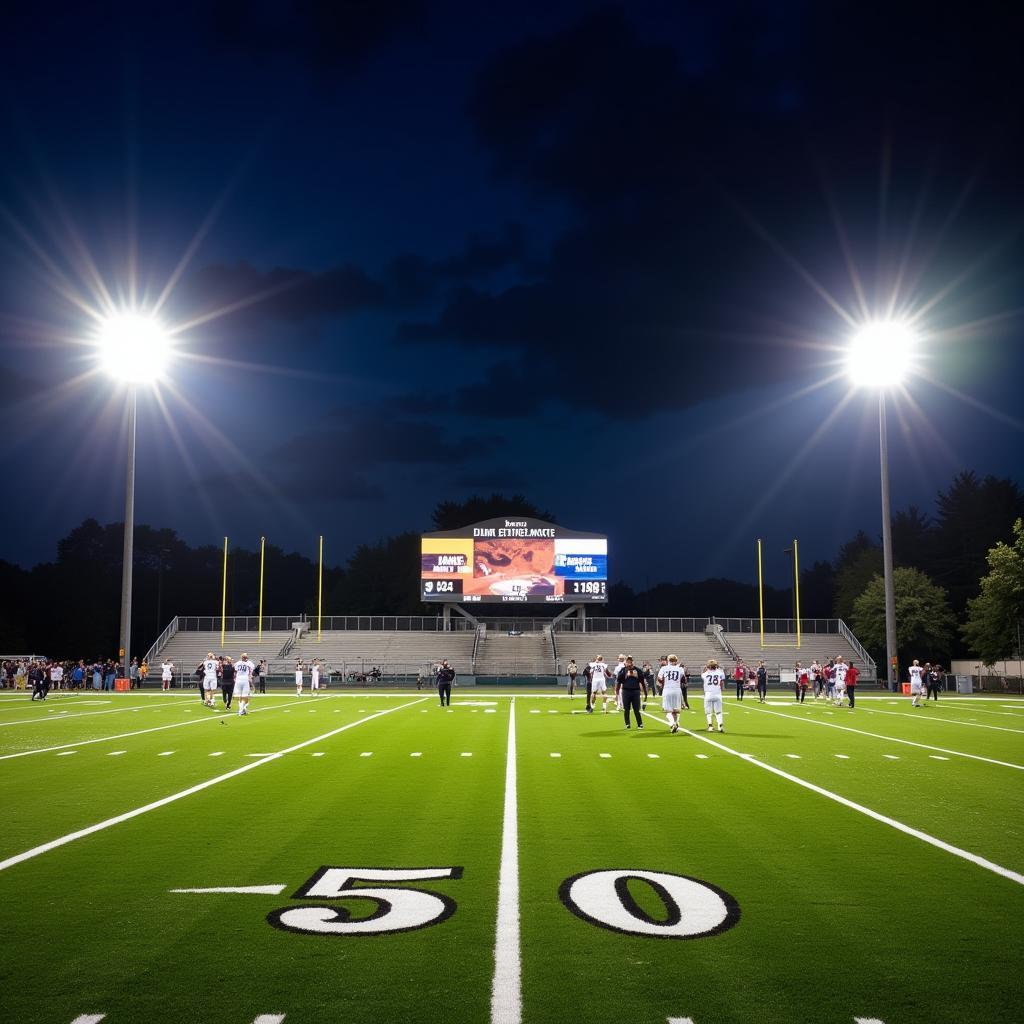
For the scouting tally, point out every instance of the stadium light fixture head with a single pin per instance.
(881, 353)
(133, 348)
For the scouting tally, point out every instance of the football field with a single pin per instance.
(376, 858)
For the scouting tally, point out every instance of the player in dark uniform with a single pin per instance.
(629, 684)
(445, 678)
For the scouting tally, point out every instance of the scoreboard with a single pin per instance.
(514, 560)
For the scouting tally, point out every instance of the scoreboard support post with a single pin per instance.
(446, 615)
(579, 610)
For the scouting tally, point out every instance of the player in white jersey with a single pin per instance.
(298, 677)
(714, 678)
(916, 675)
(670, 680)
(620, 664)
(209, 678)
(599, 682)
(314, 676)
(839, 670)
(243, 683)
(166, 674)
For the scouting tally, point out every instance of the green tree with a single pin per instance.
(451, 515)
(993, 617)
(853, 574)
(925, 625)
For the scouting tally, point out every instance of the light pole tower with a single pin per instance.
(879, 356)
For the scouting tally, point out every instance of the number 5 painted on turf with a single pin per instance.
(398, 909)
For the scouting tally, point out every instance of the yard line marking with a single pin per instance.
(265, 754)
(795, 757)
(891, 757)
(894, 739)
(65, 753)
(940, 844)
(703, 757)
(319, 753)
(269, 1018)
(506, 988)
(89, 1018)
(138, 732)
(936, 757)
(217, 753)
(655, 756)
(256, 890)
(366, 753)
(466, 754)
(534, 711)
(416, 753)
(843, 757)
(867, 1020)
(165, 753)
(552, 711)
(680, 1020)
(944, 721)
(198, 788)
(604, 755)
(554, 755)
(84, 714)
(116, 753)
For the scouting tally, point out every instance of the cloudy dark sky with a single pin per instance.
(605, 257)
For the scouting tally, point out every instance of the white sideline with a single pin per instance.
(506, 989)
(84, 714)
(89, 1018)
(276, 1018)
(891, 739)
(128, 815)
(944, 721)
(940, 844)
(139, 732)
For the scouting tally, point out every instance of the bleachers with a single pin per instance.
(781, 650)
(528, 654)
(187, 649)
(394, 653)
(692, 649)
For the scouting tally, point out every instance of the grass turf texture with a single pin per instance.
(841, 916)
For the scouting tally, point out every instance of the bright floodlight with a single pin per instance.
(133, 348)
(880, 354)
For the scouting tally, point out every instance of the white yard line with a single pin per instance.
(138, 732)
(156, 804)
(940, 844)
(506, 988)
(943, 721)
(84, 714)
(892, 739)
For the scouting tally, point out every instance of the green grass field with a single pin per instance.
(845, 865)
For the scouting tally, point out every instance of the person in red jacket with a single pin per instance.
(739, 678)
(851, 682)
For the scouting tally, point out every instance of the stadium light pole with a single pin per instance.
(134, 350)
(879, 356)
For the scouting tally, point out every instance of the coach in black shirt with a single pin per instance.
(630, 684)
(227, 682)
(445, 677)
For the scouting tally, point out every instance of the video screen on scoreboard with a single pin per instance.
(514, 560)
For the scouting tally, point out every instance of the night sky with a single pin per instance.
(604, 257)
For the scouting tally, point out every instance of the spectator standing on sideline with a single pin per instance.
(166, 674)
(814, 671)
(259, 677)
(803, 681)
(109, 676)
(851, 683)
(37, 677)
(762, 682)
(740, 677)
(133, 674)
(629, 683)
(78, 677)
(934, 682)
(445, 678)
(572, 670)
(685, 683)
(56, 675)
(649, 679)
(143, 673)
(227, 682)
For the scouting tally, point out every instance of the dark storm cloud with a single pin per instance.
(407, 282)
(664, 277)
(333, 36)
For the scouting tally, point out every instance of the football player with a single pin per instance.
(298, 677)
(209, 678)
(916, 675)
(670, 682)
(314, 677)
(713, 678)
(599, 682)
(839, 671)
(243, 682)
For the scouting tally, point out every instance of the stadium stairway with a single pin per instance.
(187, 649)
(523, 654)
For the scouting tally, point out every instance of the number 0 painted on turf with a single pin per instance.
(693, 909)
(397, 910)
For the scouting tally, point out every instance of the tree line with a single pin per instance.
(70, 607)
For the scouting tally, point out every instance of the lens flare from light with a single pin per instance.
(881, 354)
(133, 348)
